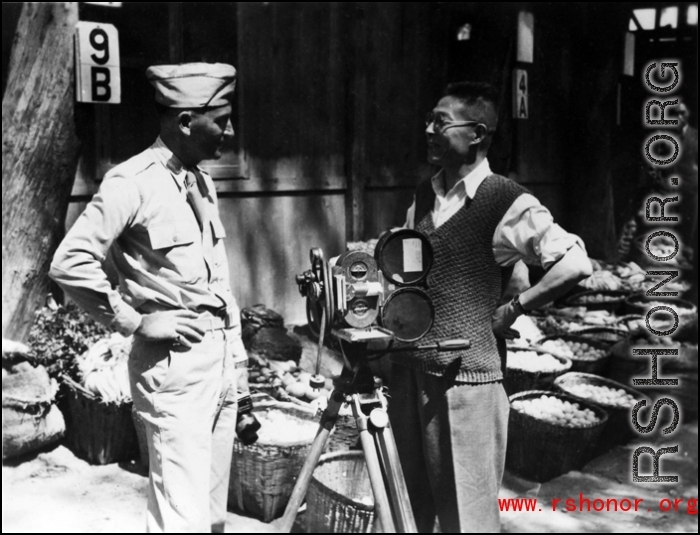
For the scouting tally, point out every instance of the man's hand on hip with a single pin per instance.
(502, 319)
(176, 325)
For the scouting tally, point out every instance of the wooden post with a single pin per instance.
(39, 156)
(355, 196)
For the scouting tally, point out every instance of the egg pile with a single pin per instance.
(574, 349)
(279, 427)
(531, 361)
(615, 397)
(596, 298)
(556, 411)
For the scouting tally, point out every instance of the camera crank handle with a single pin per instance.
(453, 345)
(443, 345)
(317, 381)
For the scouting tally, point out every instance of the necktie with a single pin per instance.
(199, 206)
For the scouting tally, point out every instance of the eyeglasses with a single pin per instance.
(440, 124)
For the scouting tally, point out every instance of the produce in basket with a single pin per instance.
(280, 428)
(575, 349)
(601, 280)
(556, 411)
(103, 368)
(640, 338)
(596, 298)
(533, 362)
(528, 329)
(603, 394)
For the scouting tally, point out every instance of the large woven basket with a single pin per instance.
(344, 436)
(263, 475)
(608, 335)
(98, 432)
(597, 365)
(140, 427)
(334, 500)
(619, 429)
(518, 380)
(539, 450)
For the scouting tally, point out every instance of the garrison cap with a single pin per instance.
(193, 85)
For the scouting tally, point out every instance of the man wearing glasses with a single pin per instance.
(449, 410)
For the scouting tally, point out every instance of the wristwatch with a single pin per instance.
(517, 305)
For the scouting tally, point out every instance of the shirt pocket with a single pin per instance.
(177, 249)
(170, 235)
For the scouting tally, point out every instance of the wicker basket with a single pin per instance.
(140, 427)
(614, 300)
(98, 432)
(263, 475)
(619, 429)
(344, 436)
(608, 335)
(539, 450)
(518, 380)
(598, 365)
(338, 484)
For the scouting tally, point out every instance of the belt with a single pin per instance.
(224, 320)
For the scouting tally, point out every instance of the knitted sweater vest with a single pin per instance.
(465, 283)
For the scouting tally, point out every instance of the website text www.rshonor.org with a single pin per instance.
(598, 505)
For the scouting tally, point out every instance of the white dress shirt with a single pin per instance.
(526, 232)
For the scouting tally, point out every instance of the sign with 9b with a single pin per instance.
(97, 63)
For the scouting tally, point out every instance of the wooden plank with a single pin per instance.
(175, 32)
(359, 110)
(268, 243)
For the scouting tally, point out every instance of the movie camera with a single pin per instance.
(360, 297)
(364, 299)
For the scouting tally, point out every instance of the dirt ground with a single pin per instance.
(55, 492)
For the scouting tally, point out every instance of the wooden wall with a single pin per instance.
(330, 114)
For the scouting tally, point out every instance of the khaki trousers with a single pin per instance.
(188, 402)
(451, 438)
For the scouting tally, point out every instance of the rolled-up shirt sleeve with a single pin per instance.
(77, 263)
(528, 232)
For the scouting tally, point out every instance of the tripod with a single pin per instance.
(391, 502)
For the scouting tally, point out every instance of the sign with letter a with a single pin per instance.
(520, 94)
(97, 63)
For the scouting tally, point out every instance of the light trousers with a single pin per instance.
(188, 402)
(451, 438)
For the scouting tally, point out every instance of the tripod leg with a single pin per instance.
(382, 506)
(330, 415)
(405, 522)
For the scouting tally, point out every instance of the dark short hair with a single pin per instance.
(482, 98)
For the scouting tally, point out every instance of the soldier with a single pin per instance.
(156, 216)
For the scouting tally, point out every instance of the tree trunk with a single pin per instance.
(39, 156)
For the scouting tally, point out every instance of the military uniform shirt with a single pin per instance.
(142, 219)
